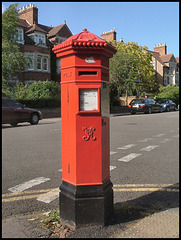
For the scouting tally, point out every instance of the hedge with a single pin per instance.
(40, 103)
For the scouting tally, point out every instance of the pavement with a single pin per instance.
(162, 224)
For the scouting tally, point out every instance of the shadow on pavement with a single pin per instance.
(140, 207)
(125, 213)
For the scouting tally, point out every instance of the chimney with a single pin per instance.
(29, 13)
(161, 48)
(109, 36)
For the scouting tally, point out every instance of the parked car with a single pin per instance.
(14, 112)
(146, 105)
(167, 105)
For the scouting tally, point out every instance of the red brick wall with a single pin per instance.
(33, 48)
(109, 36)
(34, 76)
(29, 14)
(161, 49)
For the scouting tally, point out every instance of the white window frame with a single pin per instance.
(40, 62)
(19, 37)
(45, 64)
(39, 38)
(32, 62)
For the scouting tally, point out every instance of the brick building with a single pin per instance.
(36, 41)
(109, 36)
(166, 66)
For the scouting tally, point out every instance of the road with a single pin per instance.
(144, 159)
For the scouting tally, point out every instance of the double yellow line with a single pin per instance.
(145, 187)
(11, 197)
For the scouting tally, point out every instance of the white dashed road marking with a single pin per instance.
(159, 135)
(176, 136)
(129, 157)
(149, 148)
(49, 196)
(28, 184)
(127, 146)
(112, 167)
(146, 139)
(111, 153)
(166, 140)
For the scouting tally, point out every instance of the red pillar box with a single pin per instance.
(86, 195)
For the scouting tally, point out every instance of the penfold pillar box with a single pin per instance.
(86, 195)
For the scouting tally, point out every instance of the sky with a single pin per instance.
(146, 23)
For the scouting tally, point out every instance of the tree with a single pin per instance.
(131, 70)
(169, 92)
(12, 59)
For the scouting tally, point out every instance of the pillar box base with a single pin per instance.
(85, 205)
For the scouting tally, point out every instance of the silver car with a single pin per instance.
(167, 105)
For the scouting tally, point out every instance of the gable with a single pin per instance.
(173, 59)
(64, 32)
(61, 30)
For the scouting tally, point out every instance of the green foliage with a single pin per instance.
(12, 59)
(42, 94)
(44, 89)
(20, 91)
(132, 65)
(170, 92)
(50, 219)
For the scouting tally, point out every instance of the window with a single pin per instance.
(39, 62)
(11, 103)
(30, 63)
(19, 35)
(45, 64)
(39, 38)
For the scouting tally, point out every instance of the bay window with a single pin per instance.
(39, 63)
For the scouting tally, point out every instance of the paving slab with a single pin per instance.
(163, 224)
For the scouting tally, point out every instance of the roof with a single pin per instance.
(23, 23)
(49, 31)
(157, 56)
(166, 58)
(55, 30)
(45, 28)
(35, 27)
(177, 59)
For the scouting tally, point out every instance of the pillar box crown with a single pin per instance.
(84, 40)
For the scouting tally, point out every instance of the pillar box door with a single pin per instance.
(85, 128)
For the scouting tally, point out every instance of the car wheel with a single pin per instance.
(168, 109)
(34, 119)
(14, 124)
(133, 112)
(149, 110)
(161, 110)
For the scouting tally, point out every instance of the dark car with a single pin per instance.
(14, 112)
(167, 105)
(146, 105)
